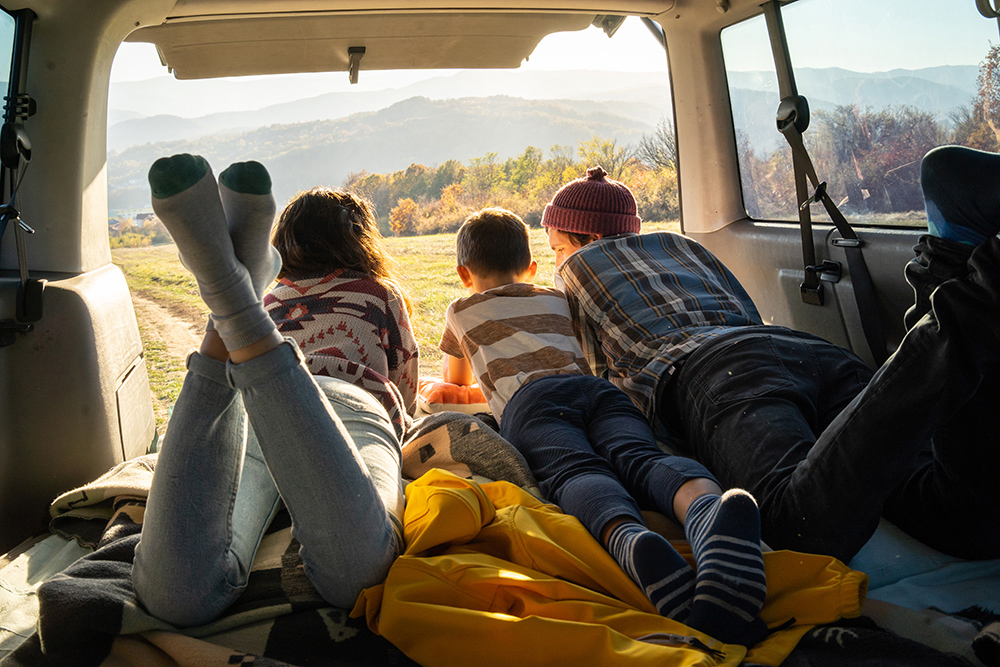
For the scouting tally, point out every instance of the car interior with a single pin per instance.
(76, 399)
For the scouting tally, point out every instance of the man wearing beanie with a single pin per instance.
(824, 445)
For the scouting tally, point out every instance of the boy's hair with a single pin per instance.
(325, 229)
(494, 241)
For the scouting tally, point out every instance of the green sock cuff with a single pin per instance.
(247, 178)
(172, 175)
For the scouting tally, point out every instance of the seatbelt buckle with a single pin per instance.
(811, 295)
(811, 289)
(829, 271)
(816, 197)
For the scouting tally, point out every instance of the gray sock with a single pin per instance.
(245, 188)
(186, 198)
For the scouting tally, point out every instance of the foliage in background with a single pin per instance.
(870, 158)
(136, 233)
(430, 200)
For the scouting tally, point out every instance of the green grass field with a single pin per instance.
(426, 269)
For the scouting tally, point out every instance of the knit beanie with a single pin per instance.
(593, 205)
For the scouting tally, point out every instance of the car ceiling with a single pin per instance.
(212, 38)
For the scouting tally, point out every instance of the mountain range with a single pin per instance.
(323, 138)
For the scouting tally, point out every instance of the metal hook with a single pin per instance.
(354, 55)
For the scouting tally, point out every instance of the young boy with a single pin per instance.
(589, 446)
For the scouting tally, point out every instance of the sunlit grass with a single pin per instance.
(165, 375)
(157, 273)
(426, 268)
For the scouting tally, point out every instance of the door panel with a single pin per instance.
(767, 259)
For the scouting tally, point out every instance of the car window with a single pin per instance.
(6, 47)
(886, 81)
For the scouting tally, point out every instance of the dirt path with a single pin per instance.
(169, 333)
(178, 331)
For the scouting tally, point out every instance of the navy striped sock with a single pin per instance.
(724, 533)
(662, 574)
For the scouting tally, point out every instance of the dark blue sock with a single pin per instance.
(662, 573)
(961, 189)
(729, 591)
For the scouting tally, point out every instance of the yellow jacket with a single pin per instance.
(492, 576)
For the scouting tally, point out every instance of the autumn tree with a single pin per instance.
(448, 173)
(606, 153)
(659, 149)
(482, 174)
(403, 218)
(873, 156)
(987, 101)
(524, 168)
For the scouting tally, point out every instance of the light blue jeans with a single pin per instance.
(330, 450)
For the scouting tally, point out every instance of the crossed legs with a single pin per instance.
(337, 468)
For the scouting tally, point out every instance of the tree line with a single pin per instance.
(870, 159)
(429, 200)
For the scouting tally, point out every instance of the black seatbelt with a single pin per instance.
(792, 121)
(811, 288)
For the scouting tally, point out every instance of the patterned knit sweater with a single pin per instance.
(354, 328)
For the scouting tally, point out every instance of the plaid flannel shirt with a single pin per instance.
(642, 302)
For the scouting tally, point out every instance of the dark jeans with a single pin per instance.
(827, 447)
(592, 450)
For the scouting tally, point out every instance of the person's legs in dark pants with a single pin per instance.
(751, 405)
(545, 421)
(949, 470)
(955, 473)
(574, 431)
(651, 476)
(936, 261)
(723, 529)
(826, 496)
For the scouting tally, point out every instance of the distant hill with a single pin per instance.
(650, 89)
(324, 137)
(417, 130)
(937, 90)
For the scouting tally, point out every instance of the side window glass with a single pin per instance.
(6, 48)
(886, 82)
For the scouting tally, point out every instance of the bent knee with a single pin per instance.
(182, 601)
(340, 578)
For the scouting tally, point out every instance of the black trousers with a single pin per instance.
(826, 446)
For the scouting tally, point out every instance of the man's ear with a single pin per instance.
(532, 270)
(464, 275)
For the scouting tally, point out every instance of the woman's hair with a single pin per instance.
(326, 229)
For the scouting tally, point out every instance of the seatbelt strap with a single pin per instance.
(811, 288)
(792, 120)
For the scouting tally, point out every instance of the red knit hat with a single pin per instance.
(593, 205)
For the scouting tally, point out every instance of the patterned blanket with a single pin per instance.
(88, 614)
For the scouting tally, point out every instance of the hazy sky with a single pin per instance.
(927, 33)
(854, 36)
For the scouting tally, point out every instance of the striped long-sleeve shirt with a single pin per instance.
(512, 335)
(642, 302)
